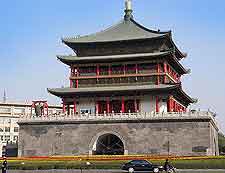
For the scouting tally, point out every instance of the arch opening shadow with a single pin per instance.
(109, 144)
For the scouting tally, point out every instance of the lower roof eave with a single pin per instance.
(71, 92)
(175, 90)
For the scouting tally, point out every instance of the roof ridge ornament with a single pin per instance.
(128, 10)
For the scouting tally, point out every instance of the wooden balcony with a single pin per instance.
(116, 76)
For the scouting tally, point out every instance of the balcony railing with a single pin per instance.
(120, 116)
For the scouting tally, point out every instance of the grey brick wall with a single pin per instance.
(186, 137)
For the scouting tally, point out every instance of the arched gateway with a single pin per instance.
(108, 144)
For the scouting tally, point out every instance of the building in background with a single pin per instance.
(10, 113)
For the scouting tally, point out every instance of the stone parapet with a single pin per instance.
(116, 117)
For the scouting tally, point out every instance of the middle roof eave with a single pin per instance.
(112, 58)
(75, 59)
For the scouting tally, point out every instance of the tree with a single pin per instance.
(221, 143)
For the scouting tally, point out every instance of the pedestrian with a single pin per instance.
(4, 165)
(167, 166)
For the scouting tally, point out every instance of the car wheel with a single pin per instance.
(156, 170)
(131, 170)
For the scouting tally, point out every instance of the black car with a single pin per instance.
(141, 165)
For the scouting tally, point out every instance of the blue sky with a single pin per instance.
(31, 31)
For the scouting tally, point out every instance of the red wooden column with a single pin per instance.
(165, 71)
(107, 104)
(97, 70)
(64, 106)
(136, 71)
(77, 73)
(157, 103)
(158, 75)
(46, 105)
(68, 110)
(97, 107)
(135, 105)
(136, 68)
(77, 83)
(169, 105)
(47, 109)
(110, 70)
(179, 108)
(122, 105)
(74, 107)
(174, 106)
(176, 110)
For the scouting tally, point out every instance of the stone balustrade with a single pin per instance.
(122, 116)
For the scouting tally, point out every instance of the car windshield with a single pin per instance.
(143, 162)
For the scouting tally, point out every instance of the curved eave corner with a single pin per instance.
(152, 31)
(67, 42)
(191, 100)
(183, 70)
(60, 58)
(51, 91)
(176, 50)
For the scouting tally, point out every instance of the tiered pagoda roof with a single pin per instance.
(126, 30)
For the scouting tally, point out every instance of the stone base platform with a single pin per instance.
(173, 135)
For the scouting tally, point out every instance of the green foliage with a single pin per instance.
(221, 143)
(200, 164)
(46, 165)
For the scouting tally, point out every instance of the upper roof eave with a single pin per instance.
(125, 30)
(115, 41)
